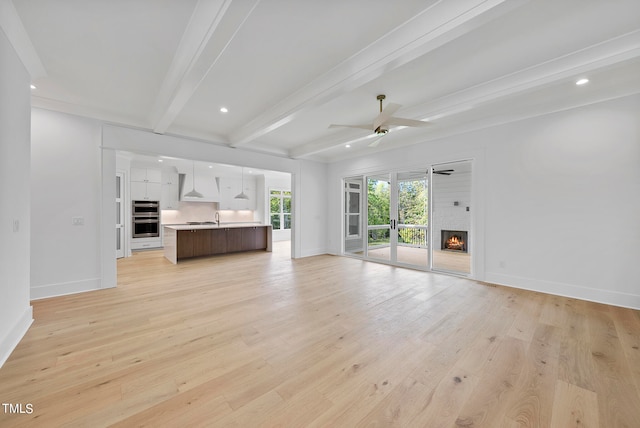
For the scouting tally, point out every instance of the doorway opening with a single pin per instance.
(416, 218)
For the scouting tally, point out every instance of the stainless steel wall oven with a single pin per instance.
(145, 209)
(145, 218)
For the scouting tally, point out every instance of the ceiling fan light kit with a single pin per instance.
(381, 124)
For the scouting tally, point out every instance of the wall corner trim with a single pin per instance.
(15, 335)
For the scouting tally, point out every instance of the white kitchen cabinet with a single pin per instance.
(145, 184)
(146, 175)
(145, 243)
(145, 191)
(230, 187)
(169, 190)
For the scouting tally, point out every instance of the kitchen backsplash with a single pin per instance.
(202, 211)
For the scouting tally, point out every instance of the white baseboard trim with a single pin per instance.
(313, 252)
(64, 288)
(609, 297)
(15, 335)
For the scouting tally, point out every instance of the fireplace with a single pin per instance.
(454, 240)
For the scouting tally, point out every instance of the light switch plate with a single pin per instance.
(77, 221)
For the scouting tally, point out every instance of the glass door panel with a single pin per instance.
(413, 212)
(379, 238)
(353, 215)
(451, 217)
(119, 215)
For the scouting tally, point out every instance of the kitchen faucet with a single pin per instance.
(218, 218)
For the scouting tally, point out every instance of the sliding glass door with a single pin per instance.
(379, 218)
(412, 188)
(419, 218)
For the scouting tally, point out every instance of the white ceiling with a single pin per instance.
(287, 69)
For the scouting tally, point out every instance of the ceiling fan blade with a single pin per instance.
(385, 114)
(365, 126)
(406, 122)
(375, 142)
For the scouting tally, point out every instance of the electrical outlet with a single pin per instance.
(77, 221)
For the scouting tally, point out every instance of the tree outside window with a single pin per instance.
(280, 209)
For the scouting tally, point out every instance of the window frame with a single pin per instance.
(282, 215)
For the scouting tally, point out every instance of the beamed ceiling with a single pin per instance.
(287, 69)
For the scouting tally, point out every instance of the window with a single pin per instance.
(280, 209)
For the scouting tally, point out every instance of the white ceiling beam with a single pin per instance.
(599, 56)
(213, 24)
(433, 27)
(13, 28)
(596, 57)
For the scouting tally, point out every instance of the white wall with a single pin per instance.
(569, 184)
(65, 183)
(311, 208)
(15, 105)
(564, 184)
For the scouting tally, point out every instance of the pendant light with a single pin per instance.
(193, 193)
(242, 195)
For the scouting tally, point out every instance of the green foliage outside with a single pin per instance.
(378, 202)
(378, 210)
(280, 214)
(412, 209)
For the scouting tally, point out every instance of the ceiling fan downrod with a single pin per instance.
(380, 98)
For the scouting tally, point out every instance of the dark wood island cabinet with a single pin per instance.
(184, 241)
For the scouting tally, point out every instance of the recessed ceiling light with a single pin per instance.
(582, 81)
(223, 110)
(210, 166)
(33, 86)
(160, 160)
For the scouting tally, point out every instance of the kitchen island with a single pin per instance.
(183, 241)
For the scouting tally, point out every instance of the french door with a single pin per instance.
(381, 222)
(397, 218)
(416, 218)
(119, 215)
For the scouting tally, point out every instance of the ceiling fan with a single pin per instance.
(443, 171)
(380, 125)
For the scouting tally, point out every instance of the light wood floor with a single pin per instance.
(258, 339)
(442, 260)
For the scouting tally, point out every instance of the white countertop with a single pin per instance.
(213, 226)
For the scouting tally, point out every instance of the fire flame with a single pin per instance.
(455, 243)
